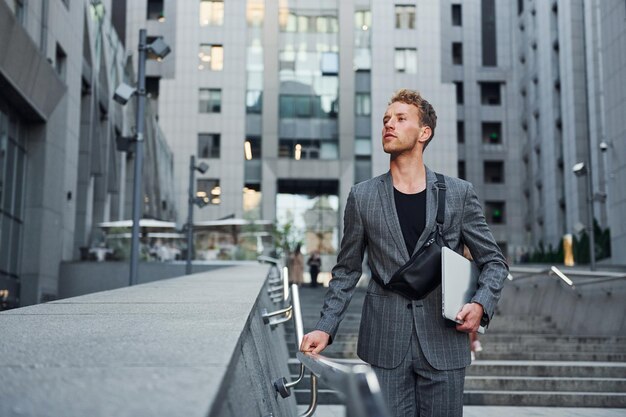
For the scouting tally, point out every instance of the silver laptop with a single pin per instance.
(459, 281)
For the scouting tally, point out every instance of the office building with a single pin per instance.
(60, 173)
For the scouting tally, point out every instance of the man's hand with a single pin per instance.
(315, 341)
(470, 316)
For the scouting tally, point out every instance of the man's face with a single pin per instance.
(402, 129)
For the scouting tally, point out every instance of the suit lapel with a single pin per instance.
(431, 208)
(385, 192)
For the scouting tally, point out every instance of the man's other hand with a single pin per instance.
(315, 341)
(469, 316)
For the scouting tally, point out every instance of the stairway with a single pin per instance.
(534, 366)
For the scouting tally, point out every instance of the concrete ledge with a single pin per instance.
(190, 346)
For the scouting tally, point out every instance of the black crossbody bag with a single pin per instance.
(422, 273)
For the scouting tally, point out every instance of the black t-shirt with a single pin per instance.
(411, 209)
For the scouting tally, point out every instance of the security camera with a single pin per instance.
(579, 169)
(202, 167)
(159, 48)
(604, 146)
(123, 93)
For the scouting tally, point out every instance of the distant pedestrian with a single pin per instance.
(296, 261)
(315, 264)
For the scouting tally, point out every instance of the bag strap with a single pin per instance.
(441, 199)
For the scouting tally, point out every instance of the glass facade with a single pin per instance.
(252, 141)
(309, 82)
(12, 176)
(362, 95)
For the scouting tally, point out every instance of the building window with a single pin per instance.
(208, 145)
(299, 149)
(494, 212)
(211, 57)
(255, 13)
(252, 201)
(363, 104)
(254, 102)
(457, 53)
(19, 11)
(210, 100)
(211, 12)
(492, 133)
(363, 19)
(460, 95)
(60, 61)
(12, 182)
(493, 172)
(460, 131)
(329, 63)
(209, 190)
(520, 6)
(405, 17)
(152, 87)
(457, 17)
(488, 27)
(155, 10)
(461, 170)
(490, 94)
(305, 106)
(362, 147)
(406, 60)
(252, 148)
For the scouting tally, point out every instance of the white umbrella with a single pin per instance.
(151, 223)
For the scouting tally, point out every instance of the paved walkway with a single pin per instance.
(480, 411)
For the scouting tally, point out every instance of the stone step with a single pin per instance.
(545, 399)
(503, 398)
(516, 383)
(505, 369)
(568, 384)
(547, 339)
(545, 356)
(547, 369)
(558, 347)
(348, 351)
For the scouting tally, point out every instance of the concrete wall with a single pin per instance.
(190, 346)
(586, 310)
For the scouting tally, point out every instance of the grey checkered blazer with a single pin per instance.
(371, 223)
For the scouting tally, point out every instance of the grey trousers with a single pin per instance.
(416, 389)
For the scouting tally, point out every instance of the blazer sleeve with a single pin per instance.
(347, 271)
(488, 257)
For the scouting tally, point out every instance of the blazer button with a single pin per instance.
(409, 306)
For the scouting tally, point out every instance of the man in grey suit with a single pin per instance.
(418, 356)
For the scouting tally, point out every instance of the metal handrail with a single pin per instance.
(565, 277)
(357, 383)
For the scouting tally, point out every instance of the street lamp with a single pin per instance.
(198, 201)
(123, 93)
(580, 169)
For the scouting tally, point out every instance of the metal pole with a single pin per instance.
(192, 171)
(592, 239)
(137, 191)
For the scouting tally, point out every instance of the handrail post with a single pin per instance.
(313, 405)
(297, 310)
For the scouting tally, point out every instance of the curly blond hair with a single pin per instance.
(427, 114)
